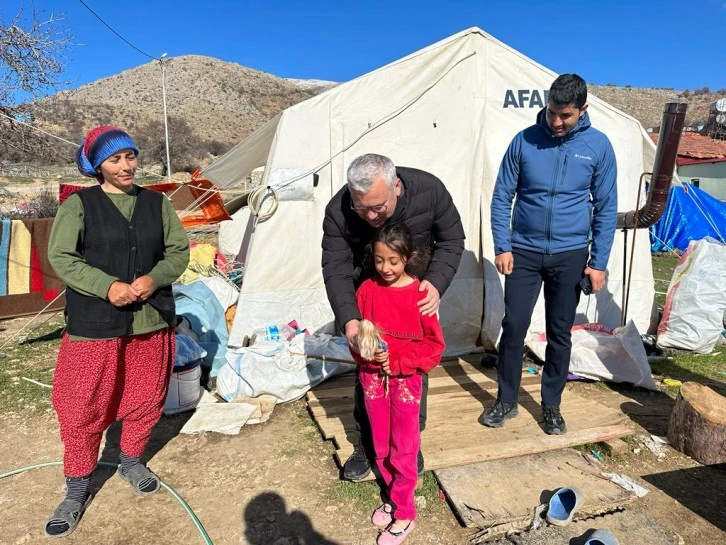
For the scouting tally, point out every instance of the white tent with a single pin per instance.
(450, 109)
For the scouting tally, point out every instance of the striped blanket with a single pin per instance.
(27, 281)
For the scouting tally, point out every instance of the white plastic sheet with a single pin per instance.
(696, 301)
(600, 353)
(226, 293)
(282, 369)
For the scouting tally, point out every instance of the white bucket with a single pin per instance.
(184, 391)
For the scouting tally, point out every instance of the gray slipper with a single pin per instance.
(66, 517)
(143, 481)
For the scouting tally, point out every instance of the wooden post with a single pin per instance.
(698, 424)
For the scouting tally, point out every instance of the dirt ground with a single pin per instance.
(277, 484)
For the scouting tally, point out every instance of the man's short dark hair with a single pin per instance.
(568, 89)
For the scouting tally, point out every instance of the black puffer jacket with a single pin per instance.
(425, 206)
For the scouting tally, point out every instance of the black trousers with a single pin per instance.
(561, 274)
(363, 425)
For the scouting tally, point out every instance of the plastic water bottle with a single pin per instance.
(282, 332)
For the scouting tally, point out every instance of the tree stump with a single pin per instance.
(698, 424)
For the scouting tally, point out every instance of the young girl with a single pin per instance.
(391, 380)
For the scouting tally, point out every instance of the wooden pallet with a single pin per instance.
(458, 393)
(501, 496)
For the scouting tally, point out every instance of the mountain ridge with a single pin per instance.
(213, 104)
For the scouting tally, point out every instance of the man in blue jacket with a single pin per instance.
(562, 172)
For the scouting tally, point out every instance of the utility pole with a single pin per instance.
(166, 124)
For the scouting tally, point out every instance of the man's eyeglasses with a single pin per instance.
(376, 209)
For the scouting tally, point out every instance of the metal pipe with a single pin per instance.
(626, 292)
(674, 116)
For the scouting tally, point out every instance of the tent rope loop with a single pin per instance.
(256, 201)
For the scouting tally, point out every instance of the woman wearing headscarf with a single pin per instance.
(118, 247)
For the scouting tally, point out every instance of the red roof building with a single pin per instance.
(696, 148)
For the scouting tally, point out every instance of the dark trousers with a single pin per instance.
(360, 416)
(561, 274)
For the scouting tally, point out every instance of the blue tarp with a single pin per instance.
(197, 303)
(690, 214)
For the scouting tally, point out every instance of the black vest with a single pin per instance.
(121, 248)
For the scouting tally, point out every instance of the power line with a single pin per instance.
(116, 33)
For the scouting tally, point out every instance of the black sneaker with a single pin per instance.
(553, 421)
(495, 415)
(420, 463)
(357, 467)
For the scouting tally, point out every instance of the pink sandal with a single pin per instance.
(388, 537)
(382, 516)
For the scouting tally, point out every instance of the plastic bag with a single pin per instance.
(284, 370)
(187, 351)
(600, 353)
(694, 308)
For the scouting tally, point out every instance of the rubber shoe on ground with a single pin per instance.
(495, 415)
(142, 480)
(357, 467)
(383, 515)
(66, 517)
(602, 537)
(553, 421)
(563, 505)
(420, 463)
(387, 537)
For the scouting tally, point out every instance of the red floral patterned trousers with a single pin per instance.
(100, 382)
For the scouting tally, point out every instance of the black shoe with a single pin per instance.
(495, 415)
(357, 467)
(420, 463)
(553, 421)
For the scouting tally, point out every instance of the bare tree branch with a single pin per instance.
(32, 49)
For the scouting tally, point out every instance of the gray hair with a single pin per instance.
(364, 170)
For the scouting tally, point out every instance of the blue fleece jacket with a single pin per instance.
(565, 188)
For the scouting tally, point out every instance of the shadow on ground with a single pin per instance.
(700, 489)
(165, 430)
(268, 522)
(54, 335)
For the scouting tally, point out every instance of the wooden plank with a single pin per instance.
(467, 429)
(515, 487)
(466, 382)
(468, 364)
(458, 393)
(455, 373)
(579, 413)
(447, 458)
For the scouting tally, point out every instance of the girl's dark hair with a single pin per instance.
(397, 237)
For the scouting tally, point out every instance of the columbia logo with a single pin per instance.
(578, 156)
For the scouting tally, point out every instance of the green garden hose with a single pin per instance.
(169, 489)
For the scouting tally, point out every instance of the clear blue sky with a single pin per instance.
(647, 43)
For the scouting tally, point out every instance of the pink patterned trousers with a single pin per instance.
(394, 419)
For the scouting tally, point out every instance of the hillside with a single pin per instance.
(213, 105)
(646, 105)
(221, 102)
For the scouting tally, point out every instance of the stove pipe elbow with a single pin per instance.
(674, 116)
